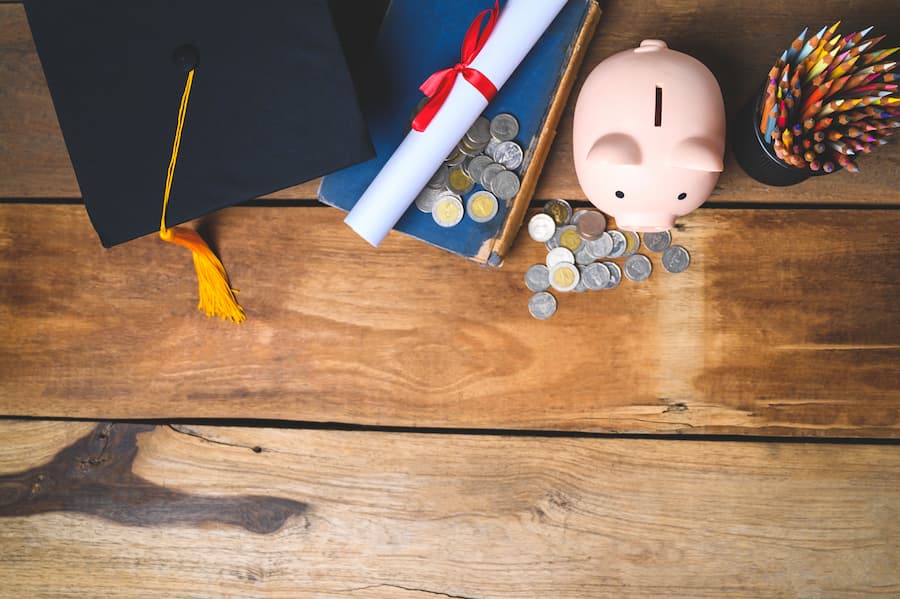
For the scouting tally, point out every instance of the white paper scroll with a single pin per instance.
(518, 28)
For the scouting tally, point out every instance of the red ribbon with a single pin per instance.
(437, 87)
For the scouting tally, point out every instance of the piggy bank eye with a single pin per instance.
(682, 195)
(620, 194)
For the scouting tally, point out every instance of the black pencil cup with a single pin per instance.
(756, 156)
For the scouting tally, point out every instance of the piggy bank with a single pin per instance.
(649, 136)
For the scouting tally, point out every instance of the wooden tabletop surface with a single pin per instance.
(393, 423)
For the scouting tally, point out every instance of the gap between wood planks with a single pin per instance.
(182, 425)
(534, 205)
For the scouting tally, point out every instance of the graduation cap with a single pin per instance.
(171, 109)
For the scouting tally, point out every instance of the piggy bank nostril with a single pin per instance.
(682, 195)
(620, 194)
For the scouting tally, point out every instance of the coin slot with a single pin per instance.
(657, 117)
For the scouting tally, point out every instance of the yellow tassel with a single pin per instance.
(216, 295)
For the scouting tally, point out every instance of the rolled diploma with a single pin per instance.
(518, 28)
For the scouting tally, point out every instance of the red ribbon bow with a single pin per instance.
(437, 87)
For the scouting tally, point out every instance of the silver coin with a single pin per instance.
(560, 210)
(480, 132)
(509, 154)
(537, 278)
(596, 276)
(541, 227)
(676, 259)
(600, 247)
(619, 244)
(488, 174)
(428, 197)
(564, 276)
(632, 242)
(504, 127)
(583, 256)
(657, 242)
(590, 224)
(615, 274)
(553, 242)
(439, 178)
(455, 159)
(638, 267)
(505, 185)
(491, 147)
(542, 305)
(475, 166)
(469, 152)
(560, 254)
(581, 287)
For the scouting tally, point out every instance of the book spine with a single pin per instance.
(520, 206)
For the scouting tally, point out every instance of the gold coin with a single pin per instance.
(563, 277)
(558, 214)
(482, 206)
(570, 239)
(459, 181)
(448, 211)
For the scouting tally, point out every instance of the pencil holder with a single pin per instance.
(756, 156)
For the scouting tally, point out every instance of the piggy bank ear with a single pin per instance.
(696, 154)
(615, 148)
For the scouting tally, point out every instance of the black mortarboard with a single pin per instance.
(272, 103)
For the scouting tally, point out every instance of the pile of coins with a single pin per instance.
(580, 254)
(478, 174)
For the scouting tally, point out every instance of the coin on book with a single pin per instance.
(676, 259)
(657, 242)
(542, 305)
(560, 210)
(509, 154)
(475, 166)
(448, 210)
(439, 178)
(638, 267)
(489, 172)
(504, 127)
(482, 206)
(505, 184)
(541, 227)
(458, 181)
(480, 132)
(427, 198)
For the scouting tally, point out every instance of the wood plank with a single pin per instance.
(413, 515)
(34, 162)
(787, 322)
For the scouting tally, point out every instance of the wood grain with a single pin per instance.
(34, 162)
(94, 476)
(785, 323)
(413, 515)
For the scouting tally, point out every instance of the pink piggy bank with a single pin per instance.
(649, 136)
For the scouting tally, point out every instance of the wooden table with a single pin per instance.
(392, 423)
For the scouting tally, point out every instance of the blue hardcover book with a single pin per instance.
(420, 37)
